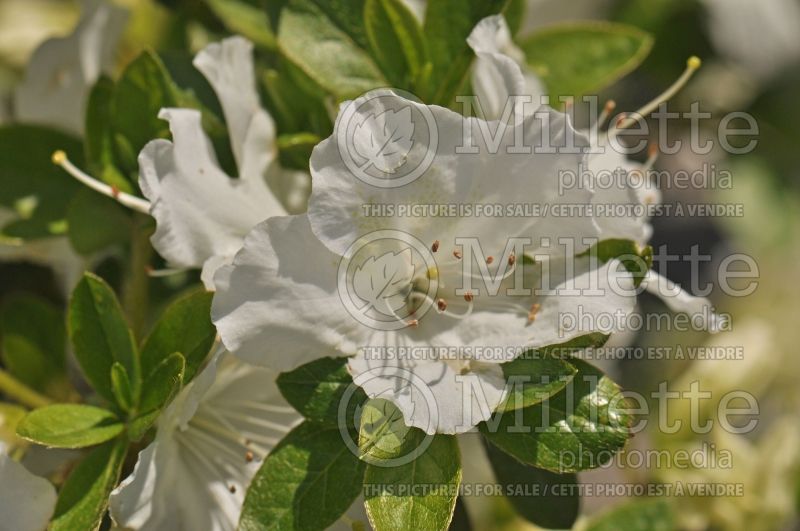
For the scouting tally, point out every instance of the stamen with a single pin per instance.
(413, 323)
(468, 296)
(134, 203)
(441, 304)
(166, 272)
(512, 259)
(232, 489)
(533, 311)
(489, 260)
(457, 254)
(248, 456)
(692, 65)
(435, 246)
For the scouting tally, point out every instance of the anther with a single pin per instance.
(489, 260)
(413, 323)
(249, 456)
(232, 489)
(468, 296)
(512, 259)
(441, 304)
(533, 311)
(457, 254)
(435, 246)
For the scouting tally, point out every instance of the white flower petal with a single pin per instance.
(497, 75)
(434, 396)
(563, 317)
(199, 210)
(196, 473)
(228, 67)
(62, 70)
(489, 177)
(679, 300)
(278, 304)
(26, 501)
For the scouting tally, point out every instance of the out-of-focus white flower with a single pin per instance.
(63, 69)
(208, 445)
(762, 38)
(26, 501)
(202, 214)
(765, 472)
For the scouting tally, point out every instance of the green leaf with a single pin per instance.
(647, 515)
(327, 41)
(306, 483)
(579, 428)
(295, 149)
(100, 335)
(33, 343)
(160, 388)
(419, 490)
(184, 327)
(560, 350)
(30, 178)
(96, 222)
(244, 19)
(576, 58)
(316, 390)
(638, 260)
(99, 144)
(396, 40)
(121, 387)
(543, 498)
(69, 426)
(145, 88)
(537, 377)
(448, 23)
(83, 499)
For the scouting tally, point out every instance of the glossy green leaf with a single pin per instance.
(98, 137)
(69, 426)
(96, 222)
(83, 499)
(396, 41)
(577, 58)
(579, 428)
(244, 19)
(33, 186)
(636, 259)
(306, 483)
(184, 327)
(448, 23)
(100, 335)
(640, 515)
(160, 387)
(121, 387)
(327, 40)
(144, 88)
(534, 376)
(34, 342)
(411, 485)
(543, 498)
(560, 350)
(317, 389)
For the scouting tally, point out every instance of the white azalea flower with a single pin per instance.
(63, 69)
(500, 73)
(202, 214)
(26, 501)
(761, 38)
(284, 287)
(208, 445)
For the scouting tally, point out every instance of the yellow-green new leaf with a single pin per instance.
(69, 426)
